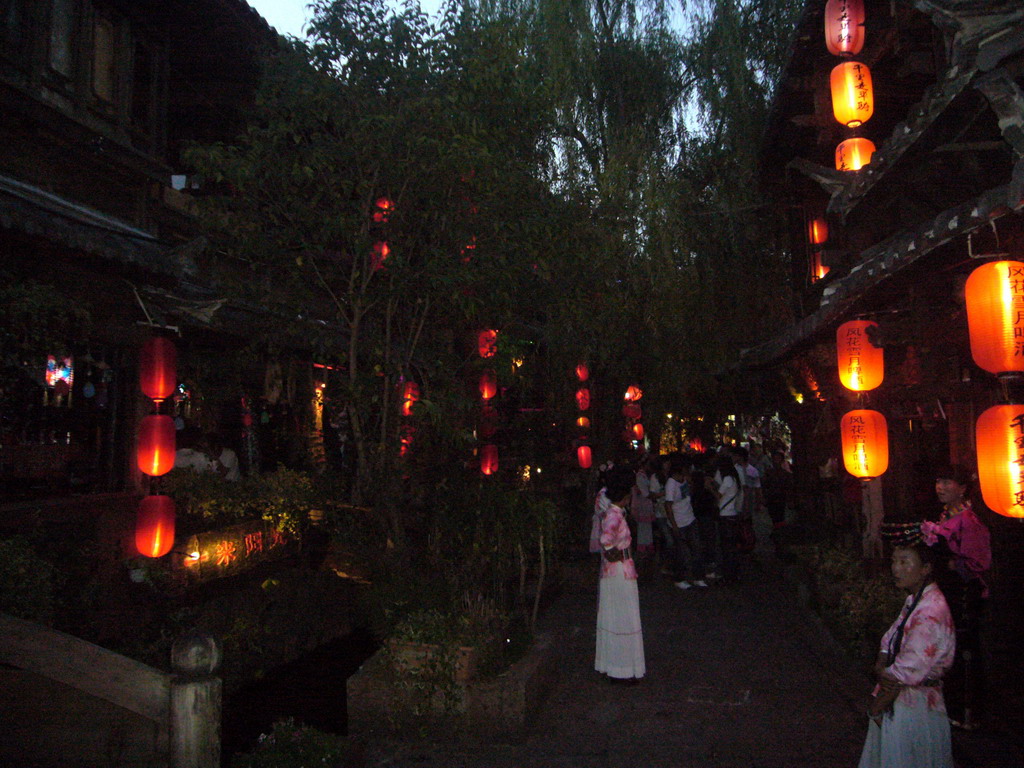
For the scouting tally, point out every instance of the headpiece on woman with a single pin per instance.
(902, 534)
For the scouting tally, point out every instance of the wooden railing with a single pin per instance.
(184, 707)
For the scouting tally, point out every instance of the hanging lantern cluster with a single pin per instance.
(584, 454)
(157, 441)
(487, 426)
(383, 207)
(861, 363)
(631, 410)
(853, 97)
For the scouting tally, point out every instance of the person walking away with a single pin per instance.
(679, 511)
(620, 642)
(908, 727)
(725, 487)
(642, 509)
(965, 541)
(663, 541)
(776, 485)
(705, 509)
(752, 499)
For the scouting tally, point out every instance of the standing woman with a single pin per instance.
(909, 727)
(643, 512)
(965, 541)
(620, 641)
(728, 493)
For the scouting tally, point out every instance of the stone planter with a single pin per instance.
(423, 658)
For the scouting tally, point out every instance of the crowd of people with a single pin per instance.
(207, 452)
(690, 515)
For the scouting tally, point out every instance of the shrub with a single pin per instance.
(27, 582)
(291, 745)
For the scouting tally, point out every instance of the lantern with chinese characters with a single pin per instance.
(865, 443)
(633, 393)
(844, 27)
(853, 100)
(156, 447)
(995, 316)
(853, 154)
(154, 526)
(584, 456)
(488, 385)
(488, 459)
(861, 363)
(1000, 440)
(487, 343)
(638, 431)
(410, 395)
(583, 398)
(582, 372)
(158, 368)
(817, 230)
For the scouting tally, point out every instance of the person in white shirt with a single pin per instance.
(727, 490)
(191, 453)
(679, 511)
(225, 460)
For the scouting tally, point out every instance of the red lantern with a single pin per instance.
(632, 411)
(818, 270)
(406, 435)
(853, 100)
(865, 443)
(638, 431)
(861, 363)
(381, 251)
(853, 154)
(633, 393)
(158, 368)
(817, 231)
(488, 421)
(583, 422)
(410, 395)
(844, 27)
(154, 526)
(488, 385)
(487, 343)
(583, 398)
(488, 459)
(157, 441)
(584, 456)
(1000, 437)
(582, 372)
(382, 209)
(995, 302)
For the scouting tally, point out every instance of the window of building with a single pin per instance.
(62, 37)
(104, 59)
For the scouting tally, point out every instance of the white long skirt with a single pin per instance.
(620, 641)
(909, 738)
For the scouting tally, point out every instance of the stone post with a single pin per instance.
(195, 702)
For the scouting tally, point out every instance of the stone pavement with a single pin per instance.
(737, 677)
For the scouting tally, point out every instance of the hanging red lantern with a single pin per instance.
(583, 398)
(584, 456)
(582, 372)
(156, 447)
(382, 209)
(406, 434)
(158, 368)
(488, 459)
(488, 385)
(154, 526)
(487, 343)
(410, 396)
(853, 100)
(865, 443)
(1000, 439)
(853, 154)
(632, 411)
(583, 422)
(844, 27)
(995, 316)
(817, 230)
(818, 270)
(638, 431)
(633, 392)
(380, 252)
(861, 363)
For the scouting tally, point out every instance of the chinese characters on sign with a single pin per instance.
(234, 549)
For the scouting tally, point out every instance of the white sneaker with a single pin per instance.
(700, 583)
(711, 576)
(683, 584)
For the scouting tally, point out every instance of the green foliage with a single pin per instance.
(27, 582)
(866, 611)
(292, 745)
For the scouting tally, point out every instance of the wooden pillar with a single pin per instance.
(195, 702)
(874, 512)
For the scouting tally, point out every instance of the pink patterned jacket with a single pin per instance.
(968, 539)
(615, 535)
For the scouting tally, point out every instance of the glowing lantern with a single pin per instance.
(638, 431)
(844, 27)
(633, 393)
(158, 368)
(488, 459)
(853, 100)
(817, 231)
(584, 456)
(995, 301)
(582, 372)
(853, 154)
(861, 363)
(157, 440)
(488, 385)
(154, 526)
(406, 435)
(865, 443)
(583, 398)
(818, 270)
(632, 411)
(382, 209)
(380, 252)
(488, 421)
(487, 343)
(410, 395)
(583, 422)
(1000, 435)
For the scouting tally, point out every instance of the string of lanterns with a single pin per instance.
(853, 98)
(584, 454)
(634, 413)
(157, 442)
(487, 347)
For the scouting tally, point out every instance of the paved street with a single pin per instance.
(739, 676)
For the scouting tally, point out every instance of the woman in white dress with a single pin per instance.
(620, 641)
